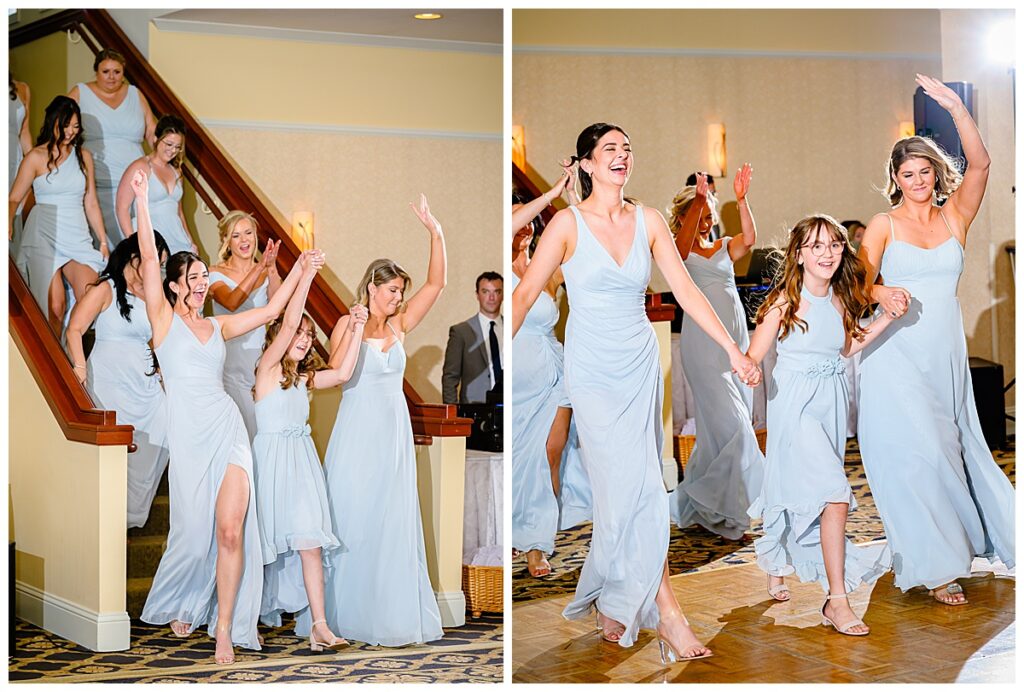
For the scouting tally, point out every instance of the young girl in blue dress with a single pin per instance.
(291, 498)
(813, 312)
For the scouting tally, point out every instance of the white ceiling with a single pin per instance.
(476, 29)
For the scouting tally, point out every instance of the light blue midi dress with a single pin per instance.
(243, 352)
(942, 498)
(724, 473)
(56, 231)
(291, 498)
(537, 393)
(613, 380)
(117, 379)
(163, 212)
(206, 435)
(807, 409)
(377, 590)
(114, 138)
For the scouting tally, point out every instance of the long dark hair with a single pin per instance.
(172, 125)
(123, 254)
(178, 266)
(58, 115)
(585, 145)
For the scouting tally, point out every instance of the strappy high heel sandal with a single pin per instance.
(846, 626)
(604, 635)
(668, 652)
(778, 590)
(338, 644)
(952, 588)
(180, 635)
(225, 660)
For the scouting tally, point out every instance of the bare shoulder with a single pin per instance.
(24, 93)
(73, 93)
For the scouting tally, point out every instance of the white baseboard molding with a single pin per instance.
(95, 631)
(452, 605)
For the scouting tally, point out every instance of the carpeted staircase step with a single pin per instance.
(159, 521)
(137, 590)
(144, 554)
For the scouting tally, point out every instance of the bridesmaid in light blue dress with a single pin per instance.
(613, 380)
(56, 245)
(115, 119)
(165, 187)
(942, 498)
(378, 590)
(724, 473)
(291, 498)
(19, 142)
(120, 374)
(549, 487)
(812, 314)
(241, 282)
(212, 570)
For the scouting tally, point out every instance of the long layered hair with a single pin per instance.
(51, 135)
(292, 370)
(172, 125)
(378, 273)
(847, 281)
(947, 174)
(681, 203)
(123, 254)
(177, 267)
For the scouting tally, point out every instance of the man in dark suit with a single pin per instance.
(473, 357)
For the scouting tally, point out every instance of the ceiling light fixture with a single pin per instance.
(428, 15)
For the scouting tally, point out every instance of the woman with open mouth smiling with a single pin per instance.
(212, 570)
(614, 382)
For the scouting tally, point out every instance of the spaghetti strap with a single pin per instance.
(392, 328)
(946, 223)
(892, 227)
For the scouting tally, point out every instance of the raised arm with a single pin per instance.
(549, 255)
(85, 312)
(232, 298)
(158, 309)
(691, 220)
(766, 332)
(247, 320)
(437, 270)
(92, 205)
(739, 246)
(892, 299)
(689, 297)
(871, 332)
(965, 202)
(292, 317)
(529, 211)
(348, 352)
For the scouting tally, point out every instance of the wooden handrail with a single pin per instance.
(232, 189)
(80, 420)
(656, 310)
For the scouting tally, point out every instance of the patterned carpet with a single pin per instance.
(695, 549)
(472, 653)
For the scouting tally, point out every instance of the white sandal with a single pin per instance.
(846, 626)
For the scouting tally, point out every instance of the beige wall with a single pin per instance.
(816, 129)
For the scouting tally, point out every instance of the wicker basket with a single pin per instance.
(684, 446)
(483, 586)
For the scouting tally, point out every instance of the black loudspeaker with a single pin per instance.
(488, 426)
(987, 378)
(933, 121)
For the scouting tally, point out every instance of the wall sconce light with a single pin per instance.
(716, 150)
(302, 230)
(519, 147)
(907, 129)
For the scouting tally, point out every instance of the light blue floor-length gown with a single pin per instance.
(117, 379)
(724, 473)
(243, 352)
(291, 498)
(56, 231)
(942, 498)
(206, 434)
(114, 137)
(807, 410)
(613, 379)
(377, 589)
(537, 393)
(163, 211)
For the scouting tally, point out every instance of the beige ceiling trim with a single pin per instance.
(308, 36)
(723, 53)
(350, 129)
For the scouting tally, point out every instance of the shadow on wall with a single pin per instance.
(418, 369)
(999, 313)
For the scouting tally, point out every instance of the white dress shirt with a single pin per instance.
(485, 329)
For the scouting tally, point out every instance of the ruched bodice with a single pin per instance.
(378, 373)
(817, 348)
(110, 326)
(929, 274)
(284, 412)
(163, 213)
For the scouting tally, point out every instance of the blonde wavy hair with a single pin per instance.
(947, 174)
(226, 225)
(291, 369)
(847, 281)
(378, 273)
(681, 203)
